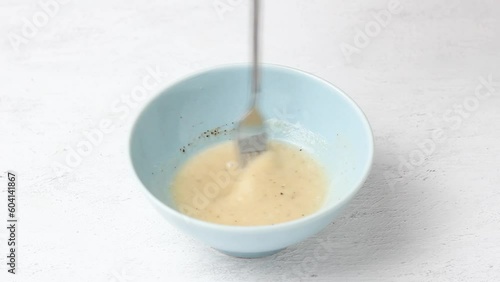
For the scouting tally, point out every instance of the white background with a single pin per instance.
(438, 221)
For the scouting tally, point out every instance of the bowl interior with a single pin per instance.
(299, 108)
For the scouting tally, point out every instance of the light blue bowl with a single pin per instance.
(300, 108)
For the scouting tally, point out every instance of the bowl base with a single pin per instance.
(250, 255)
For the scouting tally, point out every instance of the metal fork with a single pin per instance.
(252, 137)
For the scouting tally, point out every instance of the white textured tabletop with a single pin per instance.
(426, 73)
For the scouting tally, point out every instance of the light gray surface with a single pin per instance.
(438, 222)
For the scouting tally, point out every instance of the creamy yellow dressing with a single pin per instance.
(282, 184)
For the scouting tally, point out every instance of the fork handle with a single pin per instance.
(255, 54)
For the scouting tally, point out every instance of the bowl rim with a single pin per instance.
(163, 89)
